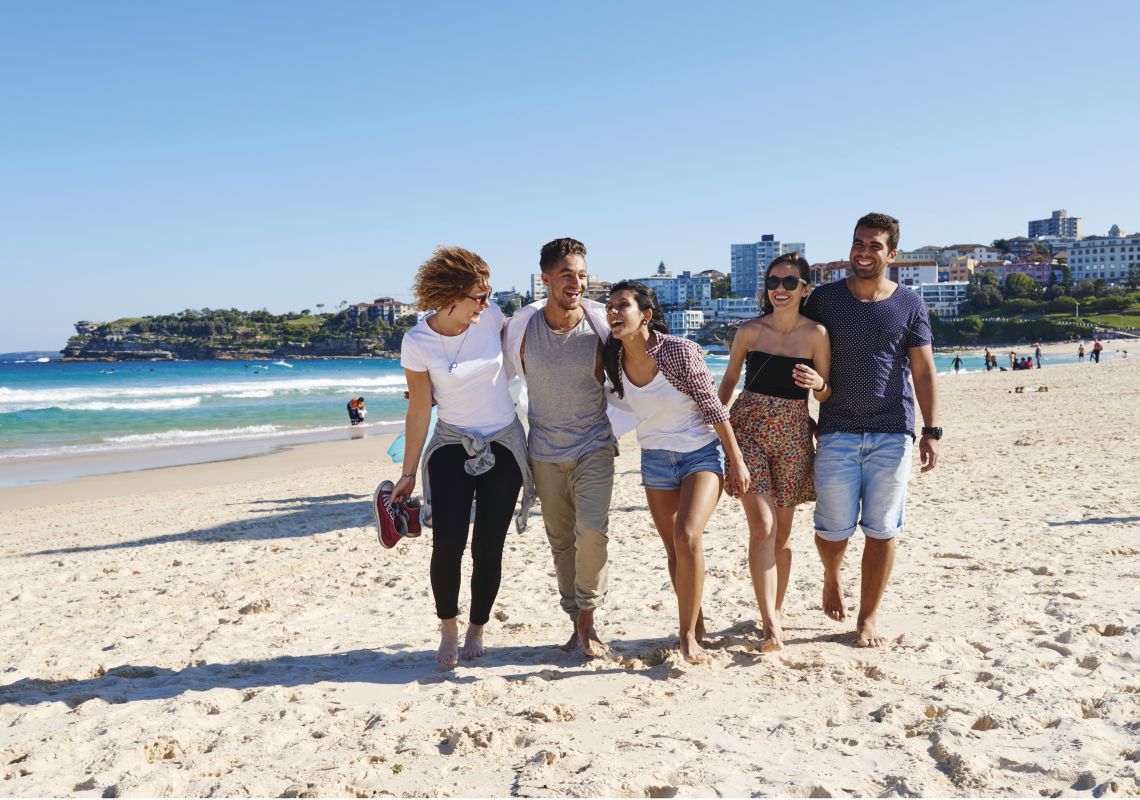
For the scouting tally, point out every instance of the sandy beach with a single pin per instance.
(235, 629)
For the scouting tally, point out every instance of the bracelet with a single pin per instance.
(821, 389)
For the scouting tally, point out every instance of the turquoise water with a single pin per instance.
(57, 410)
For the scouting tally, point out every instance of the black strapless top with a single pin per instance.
(772, 375)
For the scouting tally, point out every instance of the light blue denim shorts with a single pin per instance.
(666, 469)
(860, 481)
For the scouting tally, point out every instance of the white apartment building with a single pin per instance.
(685, 289)
(943, 299)
(750, 260)
(1058, 224)
(916, 273)
(1104, 257)
(724, 309)
(982, 254)
(685, 322)
(537, 287)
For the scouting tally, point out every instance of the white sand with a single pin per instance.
(238, 631)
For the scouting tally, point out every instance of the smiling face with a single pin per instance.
(566, 282)
(624, 315)
(781, 296)
(871, 253)
(469, 306)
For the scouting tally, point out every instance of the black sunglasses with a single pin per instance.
(481, 299)
(789, 282)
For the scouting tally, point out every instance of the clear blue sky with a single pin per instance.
(162, 156)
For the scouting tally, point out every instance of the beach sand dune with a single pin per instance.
(247, 635)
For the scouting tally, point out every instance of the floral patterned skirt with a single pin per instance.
(774, 435)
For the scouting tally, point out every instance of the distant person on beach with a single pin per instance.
(1037, 355)
(1081, 352)
(356, 411)
(784, 356)
(478, 450)
(956, 363)
(987, 360)
(880, 337)
(555, 347)
(1012, 360)
(1096, 348)
(666, 383)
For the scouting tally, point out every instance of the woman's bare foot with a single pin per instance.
(833, 605)
(692, 651)
(701, 632)
(473, 643)
(448, 654)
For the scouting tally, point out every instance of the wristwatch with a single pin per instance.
(933, 433)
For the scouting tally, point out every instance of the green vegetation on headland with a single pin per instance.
(232, 334)
(1024, 311)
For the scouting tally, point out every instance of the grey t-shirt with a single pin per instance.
(567, 409)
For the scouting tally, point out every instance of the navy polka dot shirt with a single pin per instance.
(870, 369)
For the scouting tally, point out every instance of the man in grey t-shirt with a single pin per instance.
(571, 443)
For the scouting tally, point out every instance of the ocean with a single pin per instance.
(63, 420)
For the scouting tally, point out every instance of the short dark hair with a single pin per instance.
(880, 222)
(791, 259)
(553, 252)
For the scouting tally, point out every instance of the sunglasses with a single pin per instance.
(789, 282)
(482, 299)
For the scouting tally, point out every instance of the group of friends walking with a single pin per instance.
(592, 371)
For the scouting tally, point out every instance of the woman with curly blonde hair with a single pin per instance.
(478, 450)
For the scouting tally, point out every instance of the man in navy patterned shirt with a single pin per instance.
(880, 338)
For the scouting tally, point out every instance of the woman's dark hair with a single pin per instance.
(792, 259)
(645, 298)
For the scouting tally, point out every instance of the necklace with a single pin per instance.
(454, 361)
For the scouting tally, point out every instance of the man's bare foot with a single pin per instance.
(692, 651)
(572, 643)
(448, 654)
(473, 643)
(592, 646)
(868, 635)
(833, 605)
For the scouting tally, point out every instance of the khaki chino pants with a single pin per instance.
(575, 498)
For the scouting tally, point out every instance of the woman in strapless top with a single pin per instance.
(785, 356)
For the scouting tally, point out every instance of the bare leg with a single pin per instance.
(760, 511)
(878, 558)
(473, 643)
(448, 653)
(783, 555)
(831, 554)
(699, 494)
(663, 505)
(592, 646)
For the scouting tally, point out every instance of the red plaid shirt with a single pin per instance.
(682, 364)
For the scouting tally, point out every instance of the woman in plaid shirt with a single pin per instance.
(681, 427)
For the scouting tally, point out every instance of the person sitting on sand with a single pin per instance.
(478, 450)
(665, 381)
(880, 335)
(785, 355)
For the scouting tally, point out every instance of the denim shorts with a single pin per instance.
(666, 469)
(860, 481)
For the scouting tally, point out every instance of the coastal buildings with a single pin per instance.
(537, 287)
(750, 260)
(385, 308)
(1104, 257)
(685, 289)
(829, 271)
(1058, 224)
(914, 273)
(684, 321)
(943, 299)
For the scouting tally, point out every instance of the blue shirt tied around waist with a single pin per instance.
(870, 367)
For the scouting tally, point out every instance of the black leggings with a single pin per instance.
(452, 490)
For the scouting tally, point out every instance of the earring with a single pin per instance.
(644, 322)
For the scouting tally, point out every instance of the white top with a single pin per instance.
(473, 397)
(667, 418)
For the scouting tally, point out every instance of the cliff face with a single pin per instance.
(117, 346)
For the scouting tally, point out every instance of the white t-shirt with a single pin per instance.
(473, 397)
(666, 418)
